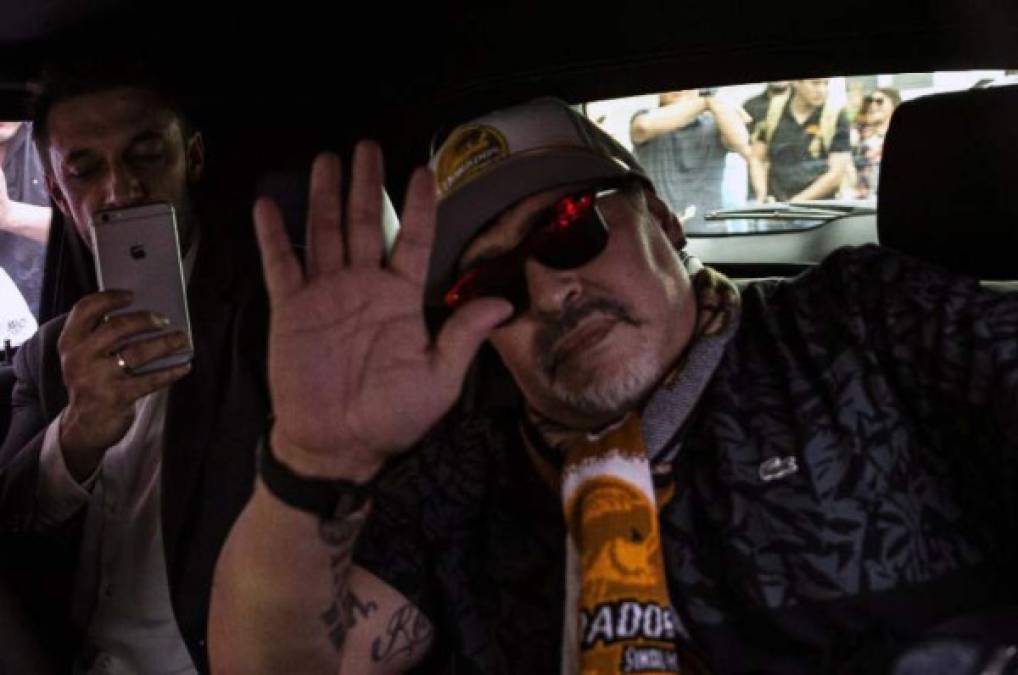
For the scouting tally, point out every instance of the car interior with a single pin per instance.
(270, 86)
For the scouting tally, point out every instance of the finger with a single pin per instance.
(324, 234)
(463, 333)
(89, 312)
(123, 326)
(412, 251)
(364, 210)
(279, 265)
(138, 386)
(139, 354)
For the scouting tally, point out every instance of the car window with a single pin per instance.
(774, 156)
(24, 230)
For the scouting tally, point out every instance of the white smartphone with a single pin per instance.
(137, 249)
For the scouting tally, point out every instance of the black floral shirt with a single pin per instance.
(850, 479)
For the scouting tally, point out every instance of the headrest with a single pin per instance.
(949, 182)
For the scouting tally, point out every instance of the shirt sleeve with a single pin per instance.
(633, 119)
(60, 495)
(842, 135)
(755, 108)
(950, 342)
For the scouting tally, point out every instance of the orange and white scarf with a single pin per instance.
(619, 616)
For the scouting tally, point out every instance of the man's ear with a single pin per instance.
(663, 216)
(195, 152)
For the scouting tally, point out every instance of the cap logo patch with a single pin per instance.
(468, 152)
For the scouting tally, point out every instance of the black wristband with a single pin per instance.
(329, 498)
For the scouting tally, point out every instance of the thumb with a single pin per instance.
(465, 330)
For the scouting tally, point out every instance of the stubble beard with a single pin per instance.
(607, 390)
(610, 386)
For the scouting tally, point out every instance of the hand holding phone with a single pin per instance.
(137, 249)
(101, 393)
(127, 341)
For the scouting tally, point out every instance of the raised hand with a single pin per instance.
(353, 373)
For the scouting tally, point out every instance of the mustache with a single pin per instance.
(556, 326)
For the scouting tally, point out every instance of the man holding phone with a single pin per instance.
(101, 450)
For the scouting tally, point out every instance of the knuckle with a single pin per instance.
(163, 346)
(143, 352)
(123, 323)
(117, 321)
(109, 329)
(167, 343)
(92, 304)
(82, 307)
(176, 340)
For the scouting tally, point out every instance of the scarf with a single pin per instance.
(619, 616)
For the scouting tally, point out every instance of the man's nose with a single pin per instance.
(124, 188)
(551, 290)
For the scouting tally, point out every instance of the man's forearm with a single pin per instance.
(823, 187)
(826, 186)
(27, 220)
(278, 599)
(731, 128)
(758, 177)
(666, 119)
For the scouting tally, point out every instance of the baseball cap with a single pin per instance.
(490, 163)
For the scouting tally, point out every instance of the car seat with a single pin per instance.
(948, 180)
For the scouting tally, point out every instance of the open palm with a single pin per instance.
(353, 373)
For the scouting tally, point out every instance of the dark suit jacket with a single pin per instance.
(214, 419)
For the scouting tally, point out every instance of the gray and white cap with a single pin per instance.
(487, 165)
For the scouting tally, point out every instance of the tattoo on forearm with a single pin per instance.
(343, 615)
(346, 608)
(408, 631)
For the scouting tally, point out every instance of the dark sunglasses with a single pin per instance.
(570, 233)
